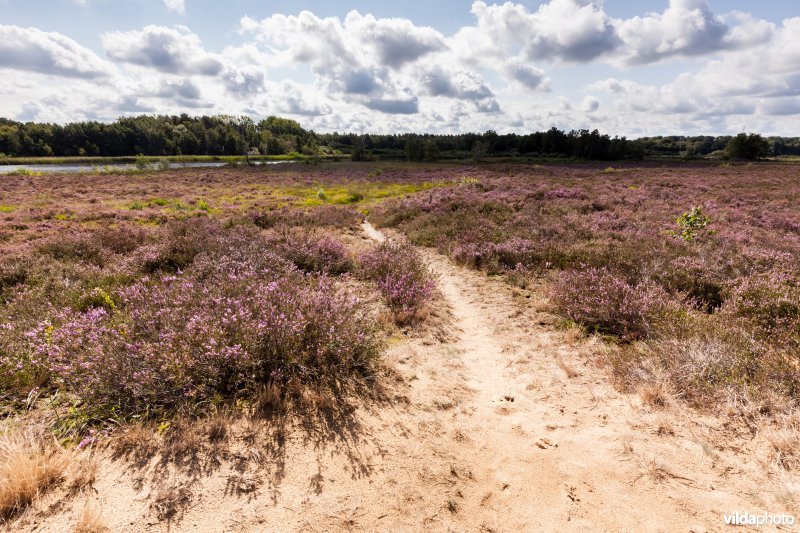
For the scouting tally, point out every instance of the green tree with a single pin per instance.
(431, 150)
(750, 147)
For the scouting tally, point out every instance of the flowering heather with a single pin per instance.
(315, 253)
(402, 277)
(170, 307)
(607, 303)
(179, 340)
(334, 216)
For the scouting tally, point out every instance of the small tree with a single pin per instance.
(690, 224)
(750, 147)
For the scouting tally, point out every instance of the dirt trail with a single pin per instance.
(504, 424)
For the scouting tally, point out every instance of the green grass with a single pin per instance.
(344, 194)
(23, 172)
(7, 208)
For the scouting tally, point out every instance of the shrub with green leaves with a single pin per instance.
(691, 225)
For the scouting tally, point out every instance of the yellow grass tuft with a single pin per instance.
(29, 465)
(90, 520)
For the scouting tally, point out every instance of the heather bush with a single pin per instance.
(13, 272)
(315, 253)
(179, 341)
(769, 302)
(182, 242)
(142, 321)
(404, 280)
(496, 258)
(122, 239)
(73, 247)
(716, 309)
(21, 369)
(701, 281)
(605, 302)
(520, 276)
(326, 215)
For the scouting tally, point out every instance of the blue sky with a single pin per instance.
(624, 67)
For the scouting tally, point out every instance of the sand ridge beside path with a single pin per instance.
(504, 424)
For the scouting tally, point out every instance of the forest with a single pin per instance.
(238, 135)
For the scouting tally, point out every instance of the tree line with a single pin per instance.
(163, 135)
(157, 136)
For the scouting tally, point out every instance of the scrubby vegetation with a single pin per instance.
(195, 312)
(145, 298)
(695, 271)
(160, 299)
(402, 277)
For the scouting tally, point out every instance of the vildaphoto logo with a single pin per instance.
(762, 519)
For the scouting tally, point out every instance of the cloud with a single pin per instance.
(394, 41)
(528, 76)
(131, 104)
(577, 31)
(781, 106)
(590, 104)
(401, 107)
(392, 74)
(686, 28)
(560, 30)
(181, 89)
(176, 5)
(29, 113)
(490, 105)
(34, 50)
(362, 56)
(244, 81)
(296, 105)
(173, 50)
(455, 83)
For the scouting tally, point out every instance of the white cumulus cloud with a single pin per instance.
(35, 50)
(175, 50)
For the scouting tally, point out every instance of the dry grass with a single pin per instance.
(183, 440)
(83, 474)
(785, 444)
(217, 428)
(573, 335)
(568, 370)
(170, 502)
(29, 465)
(135, 442)
(664, 427)
(655, 394)
(90, 520)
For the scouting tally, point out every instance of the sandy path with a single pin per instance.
(502, 424)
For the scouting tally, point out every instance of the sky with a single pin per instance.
(625, 67)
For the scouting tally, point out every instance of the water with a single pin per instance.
(5, 169)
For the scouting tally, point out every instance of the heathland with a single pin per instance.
(383, 345)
